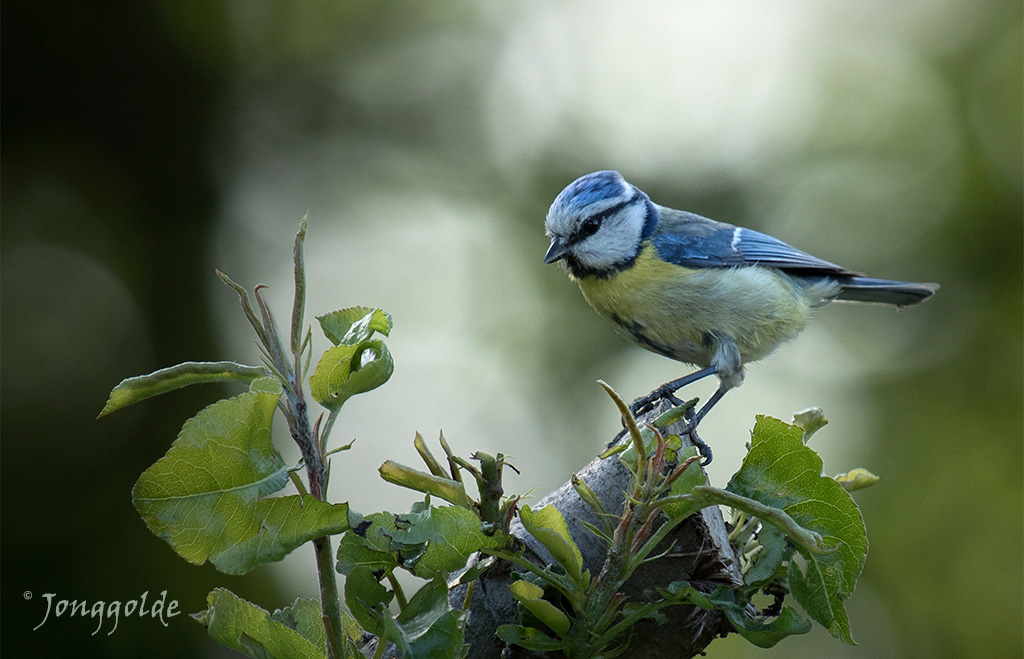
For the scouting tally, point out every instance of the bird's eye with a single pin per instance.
(589, 226)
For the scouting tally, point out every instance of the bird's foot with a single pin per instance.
(701, 446)
(646, 403)
(691, 417)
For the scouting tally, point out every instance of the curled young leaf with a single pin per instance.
(531, 596)
(438, 486)
(548, 526)
(529, 638)
(856, 479)
(347, 370)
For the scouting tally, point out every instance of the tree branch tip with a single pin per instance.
(229, 281)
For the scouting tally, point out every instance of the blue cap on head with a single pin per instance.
(593, 189)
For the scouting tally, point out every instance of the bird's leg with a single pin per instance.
(667, 392)
(727, 362)
(693, 419)
(698, 443)
(715, 397)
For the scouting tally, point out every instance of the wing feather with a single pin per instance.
(693, 241)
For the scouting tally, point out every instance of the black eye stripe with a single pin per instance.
(600, 217)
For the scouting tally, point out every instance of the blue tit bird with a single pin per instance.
(692, 289)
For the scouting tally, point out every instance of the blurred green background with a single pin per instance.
(146, 143)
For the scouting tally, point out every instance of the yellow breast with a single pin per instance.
(675, 311)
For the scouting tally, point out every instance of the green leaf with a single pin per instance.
(628, 454)
(347, 370)
(205, 497)
(473, 572)
(371, 547)
(691, 477)
(781, 472)
(425, 541)
(270, 385)
(139, 388)
(281, 524)
(775, 548)
(253, 648)
(587, 494)
(304, 616)
(449, 533)
(353, 633)
(548, 526)
(674, 414)
(428, 627)
(809, 541)
(354, 325)
(229, 619)
(367, 599)
(428, 458)
(819, 592)
(299, 300)
(529, 638)
(438, 486)
(767, 634)
(443, 638)
(681, 592)
(761, 633)
(531, 596)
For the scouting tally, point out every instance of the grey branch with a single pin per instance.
(701, 554)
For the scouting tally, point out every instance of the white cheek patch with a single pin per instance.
(617, 241)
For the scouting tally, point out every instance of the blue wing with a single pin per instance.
(693, 241)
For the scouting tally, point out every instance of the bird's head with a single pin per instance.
(597, 224)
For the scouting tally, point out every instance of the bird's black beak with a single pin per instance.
(557, 250)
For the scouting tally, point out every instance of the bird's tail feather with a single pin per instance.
(884, 291)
